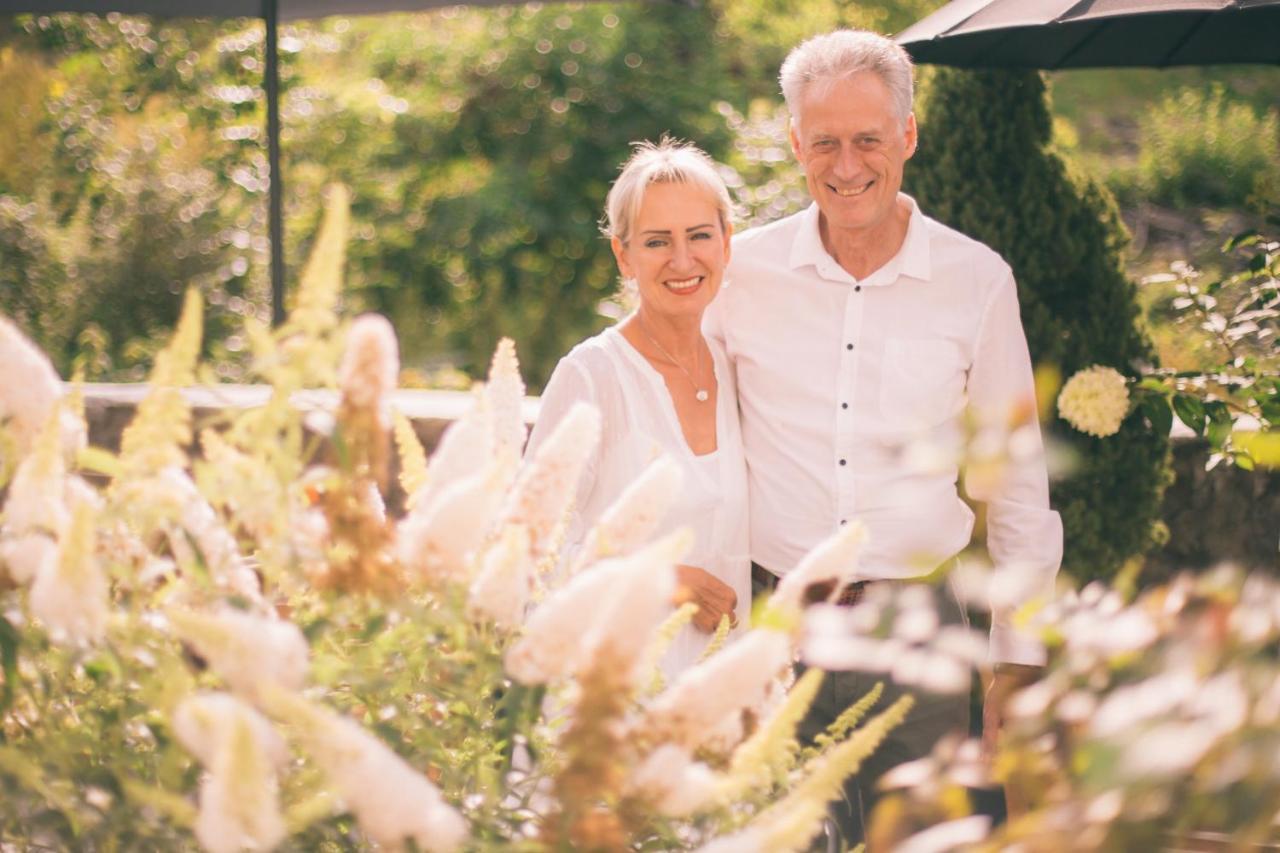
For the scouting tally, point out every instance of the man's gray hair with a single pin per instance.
(844, 52)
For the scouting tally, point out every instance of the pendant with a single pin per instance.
(701, 396)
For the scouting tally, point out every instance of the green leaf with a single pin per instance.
(1190, 411)
(1244, 238)
(1155, 408)
(1219, 422)
(9, 642)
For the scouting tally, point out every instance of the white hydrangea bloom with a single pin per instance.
(501, 589)
(505, 390)
(70, 594)
(370, 365)
(671, 780)
(441, 539)
(547, 486)
(704, 695)
(1095, 401)
(239, 795)
(390, 799)
(249, 652)
(833, 559)
(631, 520)
(27, 403)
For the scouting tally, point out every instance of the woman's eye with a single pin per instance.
(654, 244)
(700, 235)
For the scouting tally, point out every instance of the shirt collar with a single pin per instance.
(912, 260)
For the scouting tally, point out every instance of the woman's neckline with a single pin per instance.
(656, 378)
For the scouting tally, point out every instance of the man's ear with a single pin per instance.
(912, 135)
(793, 133)
(620, 255)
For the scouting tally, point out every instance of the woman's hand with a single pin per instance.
(713, 596)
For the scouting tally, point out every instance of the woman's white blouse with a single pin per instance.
(638, 423)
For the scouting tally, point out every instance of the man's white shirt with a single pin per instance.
(853, 395)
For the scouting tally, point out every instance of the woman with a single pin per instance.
(658, 384)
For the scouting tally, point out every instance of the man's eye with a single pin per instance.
(824, 144)
(868, 142)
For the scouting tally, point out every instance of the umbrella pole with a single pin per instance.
(271, 13)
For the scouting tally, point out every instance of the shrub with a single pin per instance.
(1201, 147)
(985, 168)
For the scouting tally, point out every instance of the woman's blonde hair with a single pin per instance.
(669, 161)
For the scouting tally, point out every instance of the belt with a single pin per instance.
(849, 595)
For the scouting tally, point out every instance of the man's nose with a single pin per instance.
(847, 163)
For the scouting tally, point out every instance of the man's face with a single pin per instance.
(852, 145)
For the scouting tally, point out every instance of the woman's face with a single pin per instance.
(677, 250)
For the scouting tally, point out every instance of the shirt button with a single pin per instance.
(842, 462)
(844, 521)
(848, 346)
(857, 288)
(844, 405)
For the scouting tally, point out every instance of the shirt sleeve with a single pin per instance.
(1024, 536)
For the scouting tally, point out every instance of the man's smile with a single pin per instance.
(850, 192)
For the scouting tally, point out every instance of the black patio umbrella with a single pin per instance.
(1096, 33)
(272, 12)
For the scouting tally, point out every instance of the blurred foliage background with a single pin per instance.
(478, 145)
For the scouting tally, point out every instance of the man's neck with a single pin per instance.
(862, 251)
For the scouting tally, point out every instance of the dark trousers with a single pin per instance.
(933, 716)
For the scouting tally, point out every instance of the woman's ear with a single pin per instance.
(620, 255)
(728, 241)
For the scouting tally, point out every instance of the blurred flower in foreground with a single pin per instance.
(248, 652)
(369, 366)
(1095, 401)
(30, 393)
(582, 619)
(392, 801)
(894, 630)
(501, 589)
(239, 796)
(70, 593)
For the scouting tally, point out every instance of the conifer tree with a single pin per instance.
(985, 167)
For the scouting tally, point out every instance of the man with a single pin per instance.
(857, 327)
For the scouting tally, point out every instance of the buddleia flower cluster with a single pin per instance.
(247, 630)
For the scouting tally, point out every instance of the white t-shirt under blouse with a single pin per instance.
(638, 423)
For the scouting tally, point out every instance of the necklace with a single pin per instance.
(699, 394)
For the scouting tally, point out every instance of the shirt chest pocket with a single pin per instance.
(922, 382)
